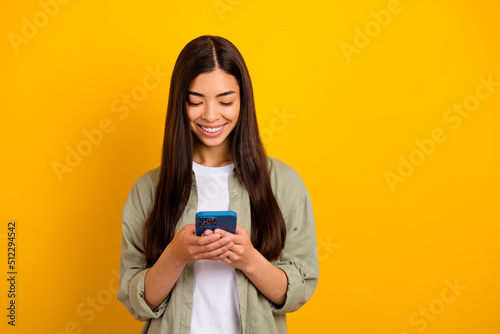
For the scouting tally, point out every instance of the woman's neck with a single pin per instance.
(212, 156)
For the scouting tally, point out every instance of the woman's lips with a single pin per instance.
(209, 130)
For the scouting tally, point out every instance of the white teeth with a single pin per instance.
(212, 129)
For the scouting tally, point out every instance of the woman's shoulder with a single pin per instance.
(141, 195)
(282, 171)
(286, 182)
(148, 179)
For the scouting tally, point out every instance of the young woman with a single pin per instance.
(213, 160)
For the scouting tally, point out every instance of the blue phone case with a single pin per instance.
(225, 220)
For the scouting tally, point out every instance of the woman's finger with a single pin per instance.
(205, 239)
(208, 232)
(189, 228)
(212, 245)
(216, 253)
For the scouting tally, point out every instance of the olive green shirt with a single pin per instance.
(299, 258)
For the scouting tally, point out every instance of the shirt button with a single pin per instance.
(235, 191)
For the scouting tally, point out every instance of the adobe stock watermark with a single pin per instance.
(454, 117)
(30, 26)
(363, 36)
(326, 248)
(121, 108)
(278, 123)
(223, 6)
(419, 320)
(92, 305)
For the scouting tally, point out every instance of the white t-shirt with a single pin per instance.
(215, 303)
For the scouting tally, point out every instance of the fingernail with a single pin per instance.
(228, 239)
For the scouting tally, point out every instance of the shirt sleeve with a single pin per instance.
(132, 262)
(299, 258)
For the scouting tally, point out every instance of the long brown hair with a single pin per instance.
(205, 54)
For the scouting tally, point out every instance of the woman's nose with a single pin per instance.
(210, 112)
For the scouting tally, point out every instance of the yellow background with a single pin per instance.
(387, 252)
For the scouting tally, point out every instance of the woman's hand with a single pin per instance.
(270, 280)
(241, 254)
(187, 247)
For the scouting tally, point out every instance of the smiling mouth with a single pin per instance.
(211, 129)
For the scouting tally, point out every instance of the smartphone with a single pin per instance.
(210, 220)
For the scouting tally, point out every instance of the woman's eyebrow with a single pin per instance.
(218, 95)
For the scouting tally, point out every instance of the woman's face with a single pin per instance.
(213, 107)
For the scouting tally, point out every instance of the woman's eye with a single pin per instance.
(226, 104)
(193, 104)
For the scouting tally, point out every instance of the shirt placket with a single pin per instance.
(239, 203)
